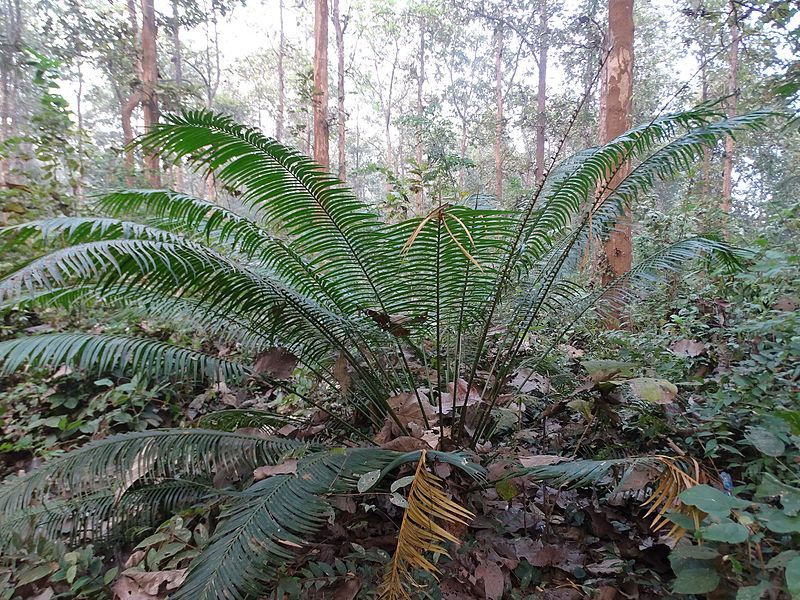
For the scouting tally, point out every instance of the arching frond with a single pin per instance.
(119, 461)
(98, 353)
(287, 190)
(270, 521)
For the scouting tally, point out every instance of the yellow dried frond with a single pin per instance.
(420, 532)
(678, 475)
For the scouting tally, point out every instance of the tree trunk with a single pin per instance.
(281, 81)
(177, 59)
(732, 84)
(541, 96)
(321, 125)
(420, 108)
(498, 126)
(8, 78)
(149, 83)
(619, 91)
(341, 116)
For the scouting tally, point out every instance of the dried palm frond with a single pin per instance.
(677, 475)
(672, 476)
(419, 533)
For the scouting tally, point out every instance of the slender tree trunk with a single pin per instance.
(149, 83)
(321, 125)
(8, 77)
(619, 92)
(704, 98)
(732, 84)
(420, 111)
(541, 96)
(463, 154)
(602, 109)
(499, 125)
(281, 82)
(177, 63)
(177, 59)
(341, 116)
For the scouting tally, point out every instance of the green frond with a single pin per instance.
(98, 353)
(233, 419)
(103, 515)
(288, 192)
(271, 521)
(119, 461)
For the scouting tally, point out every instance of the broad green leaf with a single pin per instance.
(781, 560)
(36, 573)
(602, 370)
(711, 500)
(506, 489)
(367, 480)
(752, 592)
(398, 500)
(151, 540)
(765, 441)
(777, 522)
(790, 496)
(402, 482)
(731, 533)
(655, 391)
(793, 577)
(696, 580)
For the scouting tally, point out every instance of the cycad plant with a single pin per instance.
(410, 328)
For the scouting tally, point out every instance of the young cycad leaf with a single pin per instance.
(420, 532)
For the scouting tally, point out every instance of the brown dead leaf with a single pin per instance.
(275, 362)
(286, 467)
(609, 566)
(134, 584)
(639, 476)
(785, 304)
(395, 324)
(347, 590)
(405, 443)
(407, 409)
(493, 582)
(688, 348)
(526, 382)
(572, 351)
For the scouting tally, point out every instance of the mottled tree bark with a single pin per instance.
(419, 197)
(281, 76)
(499, 125)
(618, 95)
(541, 96)
(321, 125)
(339, 26)
(149, 83)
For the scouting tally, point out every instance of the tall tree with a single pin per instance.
(732, 85)
(149, 84)
(9, 53)
(541, 95)
(499, 124)
(618, 92)
(420, 108)
(321, 125)
(281, 75)
(339, 26)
